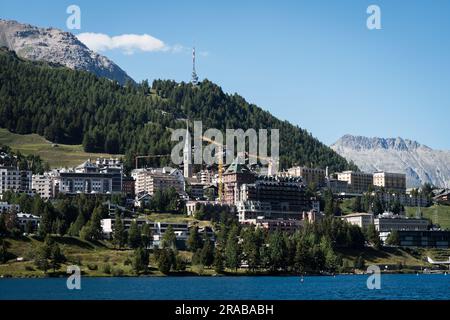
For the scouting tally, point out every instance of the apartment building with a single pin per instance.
(14, 179)
(337, 186)
(390, 181)
(310, 175)
(42, 184)
(151, 180)
(128, 186)
(358, 182)
(407, 200)
(89, 178)
(197, 190)
(205, 177)
(273, 198)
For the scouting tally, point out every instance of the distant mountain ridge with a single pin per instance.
(420, 163)
(56, 46)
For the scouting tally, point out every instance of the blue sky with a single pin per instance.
(313, 63)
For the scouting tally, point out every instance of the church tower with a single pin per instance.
(187, 154)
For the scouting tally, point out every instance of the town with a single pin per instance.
(226, 217)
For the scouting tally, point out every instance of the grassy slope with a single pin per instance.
(408, 257)
(101, 253)
(439, 214)
(61, 156)
(167, 217)
(75, 251)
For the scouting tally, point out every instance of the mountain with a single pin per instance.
(420, 163)
(59, 47)
(74, 107)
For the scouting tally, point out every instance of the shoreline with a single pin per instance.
(230, 275)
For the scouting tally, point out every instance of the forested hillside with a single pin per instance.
(74, 107)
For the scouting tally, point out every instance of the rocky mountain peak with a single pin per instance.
(420, 163)
(365, 143)
(57, 46)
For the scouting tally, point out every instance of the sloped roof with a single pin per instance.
(86, 164)
(236, 167)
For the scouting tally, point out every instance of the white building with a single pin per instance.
(109, 163)
(362, 220)
(205, 176)
(390, 181)
(42, 184)
(158, 229)
(90, 179)
(15, 180)
(151, 180)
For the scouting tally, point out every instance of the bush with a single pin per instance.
(92, 266)
(106, 268)
(180, 263)
(127, 262)
(360, 264)
(29, 268)
(30, 254)
(117, 272)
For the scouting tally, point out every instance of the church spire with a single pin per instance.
(187, 154)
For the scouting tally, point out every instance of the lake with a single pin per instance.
(340, 287)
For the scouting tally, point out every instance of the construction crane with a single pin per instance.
(149, 157)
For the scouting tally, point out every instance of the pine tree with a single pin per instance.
(218, 261)
(169, 238)
(140, 260)
(277, 247)
(194, 241)
(373, 236)
(134, 236)
(165, 260)
(207, 253)
(147, 235)
(45, 225)
(76, 226)
(357, 205)
(232, 250)
(393, 239)
(3, 251)
(56, 256)
(118, 232)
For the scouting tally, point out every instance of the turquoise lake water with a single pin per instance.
(341, 287)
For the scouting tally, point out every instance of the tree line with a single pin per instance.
(76, 107)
